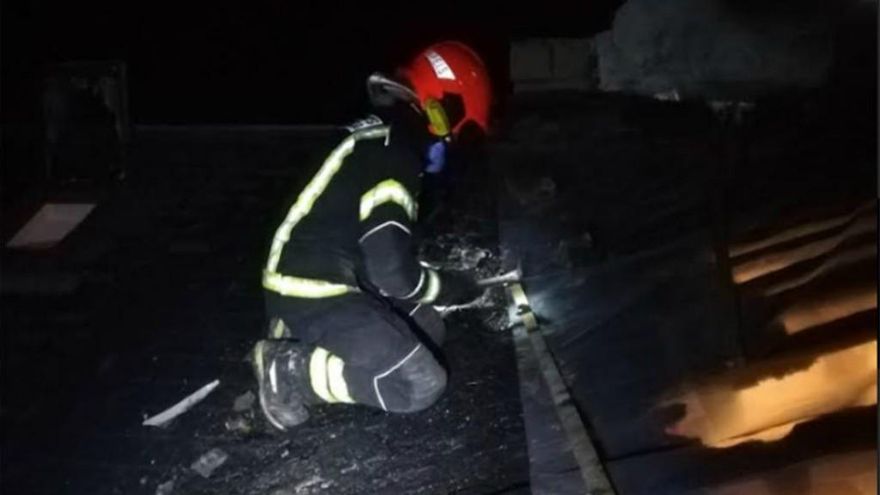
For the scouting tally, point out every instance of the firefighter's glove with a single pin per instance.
(457, 288)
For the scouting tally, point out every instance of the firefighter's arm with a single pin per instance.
(387, 213)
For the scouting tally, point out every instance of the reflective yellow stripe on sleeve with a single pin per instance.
(302, 287)
(388, 191)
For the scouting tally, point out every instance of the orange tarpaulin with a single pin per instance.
(754, 403)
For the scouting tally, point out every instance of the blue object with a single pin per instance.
(436, 158)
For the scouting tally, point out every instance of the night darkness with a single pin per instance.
(266, 61)
(657, 276)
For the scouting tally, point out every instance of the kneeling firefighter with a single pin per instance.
(351, 316)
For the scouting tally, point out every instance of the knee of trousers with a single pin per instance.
(418, 383)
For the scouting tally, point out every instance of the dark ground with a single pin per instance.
(619, 209)
(157, 294)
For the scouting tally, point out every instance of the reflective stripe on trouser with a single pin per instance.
(326, 376)
(382, 360)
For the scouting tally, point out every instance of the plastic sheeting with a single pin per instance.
(623, 213)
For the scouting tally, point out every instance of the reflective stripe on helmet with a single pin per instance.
(388, 190)
(302, 287)
(441, 68)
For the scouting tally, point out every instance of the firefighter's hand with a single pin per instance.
(457, 288)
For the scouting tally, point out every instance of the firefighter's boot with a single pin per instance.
(281, 367)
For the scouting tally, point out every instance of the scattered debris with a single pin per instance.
(244, 402)
(310, 482)
(181, 407)
(52, 223)
(165, 488)
(238, 424)
(452, 252)
(211, 460)
(669, 95)
(468, 257)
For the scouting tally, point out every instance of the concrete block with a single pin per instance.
(545, 64)
(571, 58)
(530, 60)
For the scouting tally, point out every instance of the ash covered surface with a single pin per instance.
(467, 443)
(169, 300)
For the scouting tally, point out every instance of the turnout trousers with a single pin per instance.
(367, 349)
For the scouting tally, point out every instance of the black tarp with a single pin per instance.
(622, 211)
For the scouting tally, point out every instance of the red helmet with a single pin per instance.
(453, 87)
